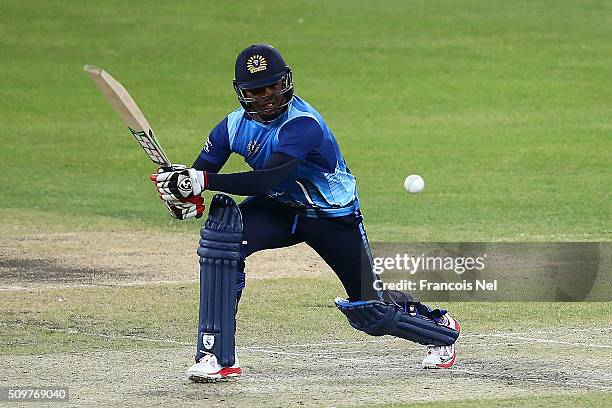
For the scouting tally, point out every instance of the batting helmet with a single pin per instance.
(259, 66)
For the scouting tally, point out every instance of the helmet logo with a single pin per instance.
(256, 63)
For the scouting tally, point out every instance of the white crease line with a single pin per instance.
(121, 337)
(82, 284)
(576, 330)
(317, 352)
(536, 340)
(342, 343)
(510, 336)
(530, 379)
(245, 348)
(103, 284)
(308, 355)
(170, 341)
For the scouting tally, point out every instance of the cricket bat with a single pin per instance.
(124, 105)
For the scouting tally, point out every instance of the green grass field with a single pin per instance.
(503, 107)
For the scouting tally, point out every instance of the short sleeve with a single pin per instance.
(217, 149)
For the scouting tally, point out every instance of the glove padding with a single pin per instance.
(178, 182)
(186, 207)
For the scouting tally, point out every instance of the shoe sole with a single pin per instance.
(232, 375)
(450, 363)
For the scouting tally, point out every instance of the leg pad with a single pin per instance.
(413, 321)
(221, 277)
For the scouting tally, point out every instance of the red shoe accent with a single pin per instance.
(448, 364)
(229, 372)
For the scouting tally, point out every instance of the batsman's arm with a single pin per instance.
(207, 166)
(277, 169)
(181, 182)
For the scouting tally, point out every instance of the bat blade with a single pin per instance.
(128, 110)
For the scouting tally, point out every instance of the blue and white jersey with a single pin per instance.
(323, 186)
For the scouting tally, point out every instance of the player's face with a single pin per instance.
(268, 100)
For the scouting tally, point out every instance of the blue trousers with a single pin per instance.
(340, 241)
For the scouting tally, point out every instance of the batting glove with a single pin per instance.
(179, 182)
(186, 207)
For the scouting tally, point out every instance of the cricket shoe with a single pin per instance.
(442, 356)
(209, 370)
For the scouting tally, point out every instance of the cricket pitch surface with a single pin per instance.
(121, 332)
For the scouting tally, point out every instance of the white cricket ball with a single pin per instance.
(414, 183)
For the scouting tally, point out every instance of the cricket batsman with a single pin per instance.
(300, 190)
